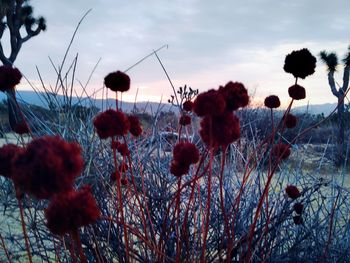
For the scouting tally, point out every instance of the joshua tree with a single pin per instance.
(16, 16)
(331, 60)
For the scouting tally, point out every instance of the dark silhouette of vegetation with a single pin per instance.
(331, 60)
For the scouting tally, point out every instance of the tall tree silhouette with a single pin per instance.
(339, 91)
(16, 18)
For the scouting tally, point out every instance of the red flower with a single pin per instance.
(280, 151)
(21, 128)
(220, 130)
(179, 169)
(114, 176)
(292, 191)
(123, 149)
(8, 153)
(185, 120)
(47, 166)
(298, 208)
(235, 94)
(115, 145)
(187, 105)
(9, 77)
(185, 153)
(297, 220)
(209, 103)
(135, 126)
(117, 81)
(291, 121)
(70, 211)
(297, 92)
(111, 123)
(272, 102)
(300, 63)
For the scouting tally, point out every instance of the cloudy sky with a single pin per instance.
(209, 43)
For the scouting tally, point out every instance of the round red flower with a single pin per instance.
(185, 153)
(298, 208)
(272, 102)
(235, 94)
(111, 123)
(68, 212)
(185, 120)
(123, 149)
(297, 92)
(8, 153)
(300, 63)
(135, 126)
(9, 77)
(291, 121)
(210, 102)
(117, 81)
(179, 169)
(187, 105)
(48, 165)
(292, 191)
(220, 130)
(281, 151)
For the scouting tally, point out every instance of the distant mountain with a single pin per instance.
(326, 108)
(40, 99)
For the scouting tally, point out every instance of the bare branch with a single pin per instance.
(332, 83)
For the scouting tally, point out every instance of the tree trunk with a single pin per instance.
(340, 147)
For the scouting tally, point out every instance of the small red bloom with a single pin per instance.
(123, 149)
(135, 126)
(179, 169)
(297, 92)
(187, 105)
(117, 81)
(8, 153)
(209, 103)
(47, 166)
(21, 128)
(111, 123)
(300, 63)
(9, 77)
(115, 145)
(298, 220)
(113, 177)
(185, 153)
(235, 95)
(68, 212)
(291, 121)
(292, 191)
(298, 208)
(281, 151)
(272, 102)
(220, 130)
(124, 181)
(185, 120)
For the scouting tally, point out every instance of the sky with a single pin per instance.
(208, 44)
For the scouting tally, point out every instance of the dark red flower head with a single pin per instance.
(298, 220)
(187, 105)
(220, 130)
(8, 153)
(281, 151)
(111, 123)
(291, 121)
(135, 126)
(300, 63)
(185, 153)
(297, 92)
(47, 166)
(185, 120)
(9, 77)
(298, 208)
(235, 95)
(21, 128)
(179, 169)
(123, 149)
(210, 103)
(68, 212)
(117, 81)
(272, 102)
(113, 177)
(292, 191)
